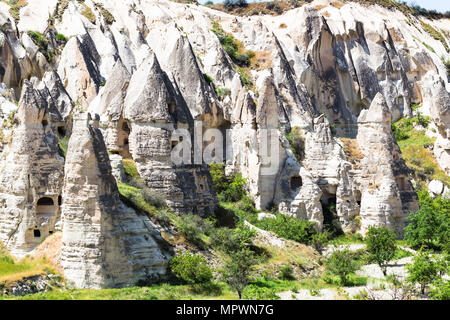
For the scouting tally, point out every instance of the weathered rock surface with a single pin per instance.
(31, 176)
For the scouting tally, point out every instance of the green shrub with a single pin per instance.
(381, 246)
(191, 268)
(290, 228)
(61, 37)
(341, 264)
(253, 292)
(222, 91)
(320, 240)
(246, 204)
(447, 65)
(232, 47)
(130, 168)
(286, 272)
(153, 198)
(194, 228)
(228, 188)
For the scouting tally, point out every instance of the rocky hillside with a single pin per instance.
(88, 87)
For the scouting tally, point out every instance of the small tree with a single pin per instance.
(423, 270)
(341, 264)
(239, 268)
(240, 260)
(381, 246)
(191, 268)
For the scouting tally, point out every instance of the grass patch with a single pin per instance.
(435, 34)
(109, 18)
(88, 13)
(413, 145)
(425, 44)
(352, 151)
(130, 168)
(217, 291)
(15, 6)
(14, 270)
(63, 143)
(42, 44)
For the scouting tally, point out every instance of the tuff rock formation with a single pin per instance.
(105, 243)
(153, 76)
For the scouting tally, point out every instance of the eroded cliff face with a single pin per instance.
(336, 74)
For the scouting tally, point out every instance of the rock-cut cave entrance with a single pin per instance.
(330, 217)
(45, 207)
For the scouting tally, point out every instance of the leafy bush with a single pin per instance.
(441, 290)
(130, 168)
(290, 228)
(228, 188)
(381, 246)
(253, 292)
(430, 225)
(191, 268)
(341, 264)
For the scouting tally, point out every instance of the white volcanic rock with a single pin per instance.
(35, 15)
(387, 196)
(436, 187)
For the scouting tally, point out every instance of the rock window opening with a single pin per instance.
(59, 200)
(123, 141)
(401, 183)
(37, 233)
(171, 106)
(50, 232)
(296, 183)
(44, 123)
(61, 131)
